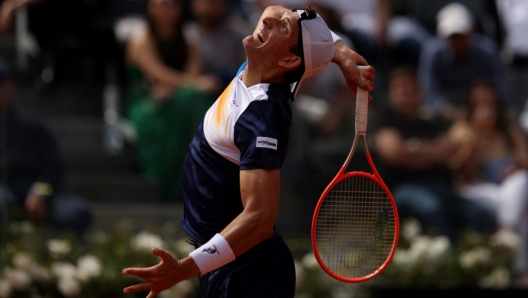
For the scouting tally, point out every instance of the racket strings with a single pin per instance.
(355, 227)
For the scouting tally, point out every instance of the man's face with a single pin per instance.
(277, 31)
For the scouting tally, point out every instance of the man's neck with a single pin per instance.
(254, 75)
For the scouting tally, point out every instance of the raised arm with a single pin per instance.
(260, 197)
(348, 60)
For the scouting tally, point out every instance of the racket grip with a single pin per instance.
(361, 106)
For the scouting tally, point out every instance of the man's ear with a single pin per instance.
(290, 62)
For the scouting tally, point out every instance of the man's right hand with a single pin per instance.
(348, 61)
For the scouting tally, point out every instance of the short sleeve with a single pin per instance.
(261, 135)
(335, 37)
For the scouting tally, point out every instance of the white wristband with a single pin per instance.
(213, 254)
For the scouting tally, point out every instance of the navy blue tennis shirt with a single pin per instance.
(245, 129)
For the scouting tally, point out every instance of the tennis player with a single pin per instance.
(231, 175)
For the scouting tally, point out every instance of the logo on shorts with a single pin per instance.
(211, 250)
(263, 142)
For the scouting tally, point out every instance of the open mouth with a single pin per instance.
(260, 36)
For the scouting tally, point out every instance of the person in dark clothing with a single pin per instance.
(32, 170)
(414, 154)
(231, 173)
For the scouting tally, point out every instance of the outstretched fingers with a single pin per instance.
(163, 255)
(140, 272)
(138, 288)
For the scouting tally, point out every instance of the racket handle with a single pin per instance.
(361, 106)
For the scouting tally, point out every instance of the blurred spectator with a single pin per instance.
(218, 43)
(114, 22)
(32, 170)
(491, 163)
(373, 27)
(513, 18)
(425, 12)
(364, 22)
(450, 62)
(413, 154)
(56, 25)
(167, 97)
(403, 36)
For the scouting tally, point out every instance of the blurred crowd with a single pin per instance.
(447, 128)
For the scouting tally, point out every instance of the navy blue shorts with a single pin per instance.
(267, 270)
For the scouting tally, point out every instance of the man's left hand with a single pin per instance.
(168, 272)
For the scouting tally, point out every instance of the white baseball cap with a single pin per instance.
(318, 45)
(454, 18)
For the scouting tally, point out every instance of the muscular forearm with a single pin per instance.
(247, 230)
(260, 190)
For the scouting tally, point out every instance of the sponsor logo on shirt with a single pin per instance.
(264, 142)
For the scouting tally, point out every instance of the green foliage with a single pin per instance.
(35, 266)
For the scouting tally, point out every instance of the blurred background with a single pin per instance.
(100, 98)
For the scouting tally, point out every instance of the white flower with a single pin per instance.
(345, 291)
(411, 229)
(57, 247)
(23, 261)
(18, 279)
(419, 246)
(63, 270)
(25, 227)
(309, 261)
(423, 249)
(438, 246)
(299, 273)
(506, 238)
(39, 273)
(499, 278)
(476, 256)
(146, 241)
(5, 288)
(403, 258)
(69, 286)
(88, 266)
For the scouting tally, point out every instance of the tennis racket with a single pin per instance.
(355, 226)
